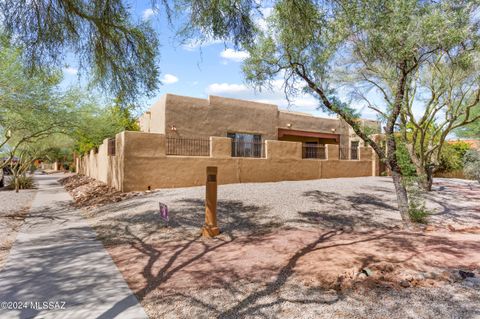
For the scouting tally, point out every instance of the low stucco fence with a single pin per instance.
(140, 162)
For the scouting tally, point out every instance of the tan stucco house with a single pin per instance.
(188, 117)
(247, 141)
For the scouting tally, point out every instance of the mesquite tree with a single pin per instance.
(381, 44)
(31, 107)
(446, 93)
(23, 159)
(115, 50)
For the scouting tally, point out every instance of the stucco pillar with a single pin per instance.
(332, 152)
(144, 144)
(365, 153)
(220, 147)
(375, 165)
(283, 150)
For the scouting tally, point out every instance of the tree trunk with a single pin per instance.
(402, 197)
(429, 179)
(400, 190)
(17, 184)
(425, 178)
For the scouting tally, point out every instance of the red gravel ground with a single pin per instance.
(326, 258)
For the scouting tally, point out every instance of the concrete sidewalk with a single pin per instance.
(56, 258)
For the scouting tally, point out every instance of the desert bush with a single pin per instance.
(417, 210)
(471, 164)
(451, 158)
(24, 182)
(418, 215)
(404, 160)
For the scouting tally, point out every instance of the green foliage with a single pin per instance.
(418, 214)
(119, 53)
(97, 124)
(404, 160)
(31, 107)
(471, 164)
(226, 19)
(40, 121)
(417, 211)
(471, 130)
(451, 157)
(24, 182)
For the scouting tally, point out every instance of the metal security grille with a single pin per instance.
(241, 148)
(187, 146)
(354, 150)
(314, 151)
(343, 155)
(247, 145)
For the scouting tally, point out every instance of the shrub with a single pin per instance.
(418, 214)
(451, 158)
(417, 210)
(24, 182)
(404, 160)
(471, 165)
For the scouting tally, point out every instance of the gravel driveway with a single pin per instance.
(281, 245)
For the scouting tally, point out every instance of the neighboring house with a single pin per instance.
(248, 124)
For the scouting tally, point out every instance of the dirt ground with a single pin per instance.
(13, 210)
(314, 258)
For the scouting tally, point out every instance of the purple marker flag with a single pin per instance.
(163, 211)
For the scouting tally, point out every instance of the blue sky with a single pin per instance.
(213, 69)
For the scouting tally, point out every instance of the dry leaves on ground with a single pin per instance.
(90, 193)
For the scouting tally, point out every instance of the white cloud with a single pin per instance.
(193, 45)
(302, 103)
(237, 56)
(227, 89)
(70, 70)
(169, 79)
(261, 20)
(148, 13)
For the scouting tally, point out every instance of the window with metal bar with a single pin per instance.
(354, 150)
(246, 145)
(313, 150)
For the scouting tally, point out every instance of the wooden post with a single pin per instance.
(210, 229)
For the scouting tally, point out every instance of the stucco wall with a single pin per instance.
(217, 116)
(153, 121)
(101, 166)
(140, 163)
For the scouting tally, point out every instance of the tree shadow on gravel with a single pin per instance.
(244, 224)
(265, 300)
(186, 221)
(234, 217)
(338, 211)
(136, 229)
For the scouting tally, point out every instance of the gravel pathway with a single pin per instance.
(13, 208)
